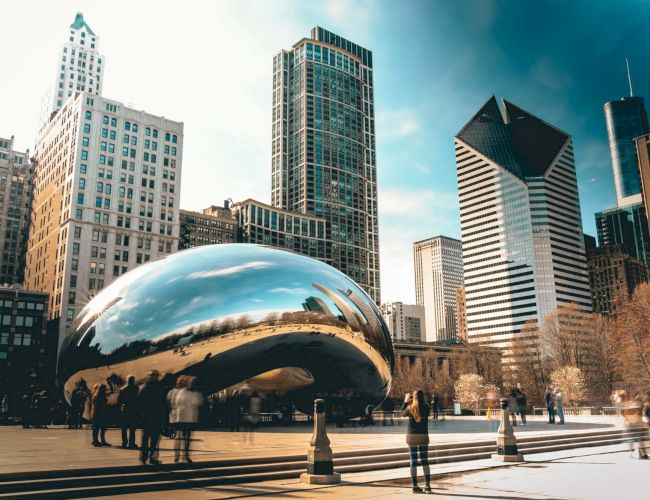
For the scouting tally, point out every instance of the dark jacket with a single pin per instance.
(152, 399)
(127, 402)
(417, 432)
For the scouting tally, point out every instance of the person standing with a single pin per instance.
(184, 404)
(435, 403)
(233, 411)
(417, 437)
(127, 402)
(99, 413)
(513, 407)
(521, 405)
(550, 405)
(559, 405)
(153, 404)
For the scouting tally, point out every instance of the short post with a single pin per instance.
(506, 440)
(320, 468)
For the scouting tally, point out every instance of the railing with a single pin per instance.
(572, 411)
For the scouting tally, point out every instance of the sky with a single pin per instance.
(209, 65)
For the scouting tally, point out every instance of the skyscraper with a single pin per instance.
(404, 321)
(438, 263)
(626, 119)
(80, 68)
(323, 147)
(105, 199)
(625, 225)
(523, 250)
(643, 153)
(16, 186)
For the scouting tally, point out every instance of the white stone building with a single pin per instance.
(404, 321)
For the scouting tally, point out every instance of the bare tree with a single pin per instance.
(571, 382)
(469, 391)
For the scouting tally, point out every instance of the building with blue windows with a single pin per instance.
(626, 119)
(323, 147)
(627, 226)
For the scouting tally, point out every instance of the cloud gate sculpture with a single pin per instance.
(278, 321)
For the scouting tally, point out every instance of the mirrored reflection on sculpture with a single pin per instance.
(282, 322)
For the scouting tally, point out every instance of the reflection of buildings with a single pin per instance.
(351, 317)
(625, 119)
(317, 305)
(16, 186)
(107, 182)
(404, 321)
(211, 226)
(612, 271)
(323, 147)
(438, 274)
(626, 225)
(27, 348)
(522, 237)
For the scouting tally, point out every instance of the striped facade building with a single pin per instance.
(523, 248)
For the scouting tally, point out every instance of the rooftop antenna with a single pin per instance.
(629, 78)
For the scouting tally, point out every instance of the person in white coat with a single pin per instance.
(184, 402)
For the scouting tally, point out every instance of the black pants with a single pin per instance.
(423, 450)
(183, 438)
(99, 433)
(128, 435)
(551, 414)
(150, 438)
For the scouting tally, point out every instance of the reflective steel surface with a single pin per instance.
(283, 322)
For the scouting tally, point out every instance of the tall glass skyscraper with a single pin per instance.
(323, 147)
(626, 119)
(523, 249)
(627, 226)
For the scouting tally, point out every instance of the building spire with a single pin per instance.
(629, 78)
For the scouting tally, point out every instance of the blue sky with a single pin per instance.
(208, 64)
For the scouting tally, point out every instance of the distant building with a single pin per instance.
(626, 225)
(461, 315)
(626, 119)
(16, 190)
(612, 271)
(523, 248)
(438, 265)
(27, 349)
(296, 231)
(590, 242)
(323, 148)
(643, 153)
(405, 322)
(81, 67)
(211, 226)
(107, 182)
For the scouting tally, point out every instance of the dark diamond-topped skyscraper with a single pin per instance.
(323, 149)
(523, 249)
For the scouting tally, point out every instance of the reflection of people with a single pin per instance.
(154, 415)
(233, 411)
(254, 410)
(184, 402)
(127, 402)
(417, 437)
(99, 413)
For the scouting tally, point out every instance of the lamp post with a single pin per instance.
(506, 440)
(320, 468)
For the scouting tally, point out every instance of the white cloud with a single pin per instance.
(231, 270)
(398, 124)
(415, 203)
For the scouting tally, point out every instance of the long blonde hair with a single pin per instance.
(414, 407)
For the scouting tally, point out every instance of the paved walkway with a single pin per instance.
(589, 473)
(62, 448)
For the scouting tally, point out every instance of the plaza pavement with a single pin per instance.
(606, 472)
(59, 448)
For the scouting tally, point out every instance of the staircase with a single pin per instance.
(82, 483)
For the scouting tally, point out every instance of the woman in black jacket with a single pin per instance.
(417, 436)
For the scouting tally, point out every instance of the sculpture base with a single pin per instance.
(508, 458)
(333, 478)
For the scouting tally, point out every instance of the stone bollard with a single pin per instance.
(320, 469)
(506, 440)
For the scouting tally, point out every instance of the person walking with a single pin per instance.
(233, 411)
(152, 402)
(417, 437)
(550, 405)
(513, 407)
(521, 405)
(559, 405)
(435, 404)
(127, 402)
(99, 413)
(184, 404)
